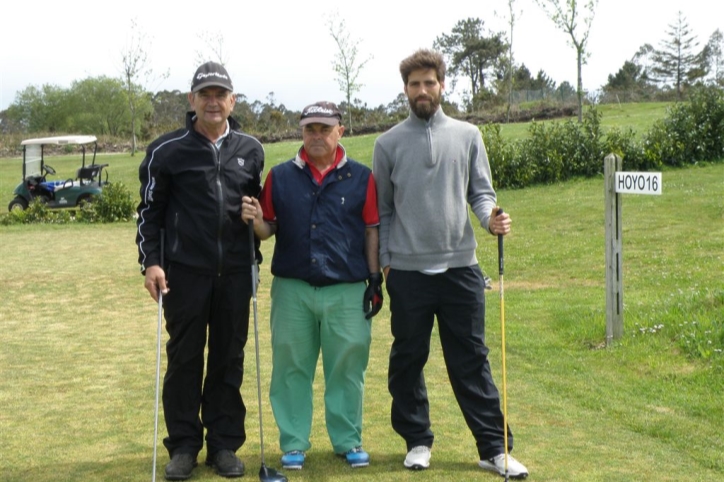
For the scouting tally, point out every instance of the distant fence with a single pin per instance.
(554, 96)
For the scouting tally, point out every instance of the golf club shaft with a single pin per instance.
(158, 366)
(501, 269)
(254, 281)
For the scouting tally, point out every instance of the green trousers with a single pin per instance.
(305, 319)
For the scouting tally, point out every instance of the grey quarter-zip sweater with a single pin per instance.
(427, 173)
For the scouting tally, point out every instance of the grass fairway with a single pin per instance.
(78, 349)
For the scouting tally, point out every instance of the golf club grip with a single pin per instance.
(250, 225)
(252, 260)
(500, 247)
(162, 235)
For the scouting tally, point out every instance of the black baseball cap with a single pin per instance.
(321, 113)
(211, 74)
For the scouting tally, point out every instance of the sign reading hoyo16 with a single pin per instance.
(618, 182)
(638, 182)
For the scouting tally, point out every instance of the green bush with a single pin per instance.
(113, 205)
(623, 143)
(37, 213)
(507, 169)
(691, 132)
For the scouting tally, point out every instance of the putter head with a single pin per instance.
(270, 475)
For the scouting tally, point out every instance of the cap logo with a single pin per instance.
(211, 74)
(319, 110)
(320, 113)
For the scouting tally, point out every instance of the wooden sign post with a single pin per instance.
(616, 183)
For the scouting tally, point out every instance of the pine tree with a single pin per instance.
(677, 62)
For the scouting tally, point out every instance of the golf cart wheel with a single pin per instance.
(18, 204)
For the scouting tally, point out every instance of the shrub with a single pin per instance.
(691, 132)
(37, 213)
(113, 205)
(623, 143)
(507, 169)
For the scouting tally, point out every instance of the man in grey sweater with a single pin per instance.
(428, 169)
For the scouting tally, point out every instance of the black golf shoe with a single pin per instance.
(226, 464)
(180, 467)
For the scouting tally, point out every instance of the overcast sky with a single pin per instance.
(284, 47)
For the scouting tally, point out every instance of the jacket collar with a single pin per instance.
(191, 116)
(340, 161)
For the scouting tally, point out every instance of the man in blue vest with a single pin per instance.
(322, 208)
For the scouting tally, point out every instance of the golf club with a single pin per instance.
(502, 342)
(158, 367)
(265, 474)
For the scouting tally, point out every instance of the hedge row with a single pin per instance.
(691, 132)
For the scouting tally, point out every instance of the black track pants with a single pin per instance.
(456, 297)
(194, 304)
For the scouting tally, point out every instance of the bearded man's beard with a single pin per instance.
(425, 110)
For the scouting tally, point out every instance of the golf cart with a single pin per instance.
(88, 182)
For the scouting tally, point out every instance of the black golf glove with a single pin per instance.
(372, 301)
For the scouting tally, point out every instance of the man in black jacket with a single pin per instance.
(192, 182)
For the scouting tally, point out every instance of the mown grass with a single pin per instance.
(638, 117)
(78, 344)
(78, 350)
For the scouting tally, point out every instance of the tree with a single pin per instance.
(169, 110)
(566, 15)
(524, 80)
(676, 61)
(136, 73)
(644, 58)
(346, 64)
(715, 58)
(44, 109)
(99, 106)
(565, 90)
(627, 78)
(213, 48)
(398, 108)
(472, 54)
(509, 67)
(630, 81)
(95, 105)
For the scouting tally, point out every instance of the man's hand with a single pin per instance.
(499, 223)
(251, 210)
(372, 301)
(155, 281)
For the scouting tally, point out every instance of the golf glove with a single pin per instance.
(372, 301)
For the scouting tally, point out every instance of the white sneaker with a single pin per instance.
(516, 470)
(418, 458)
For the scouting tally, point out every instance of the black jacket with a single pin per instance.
(193, 190)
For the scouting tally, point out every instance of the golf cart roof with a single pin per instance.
(60, 140)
